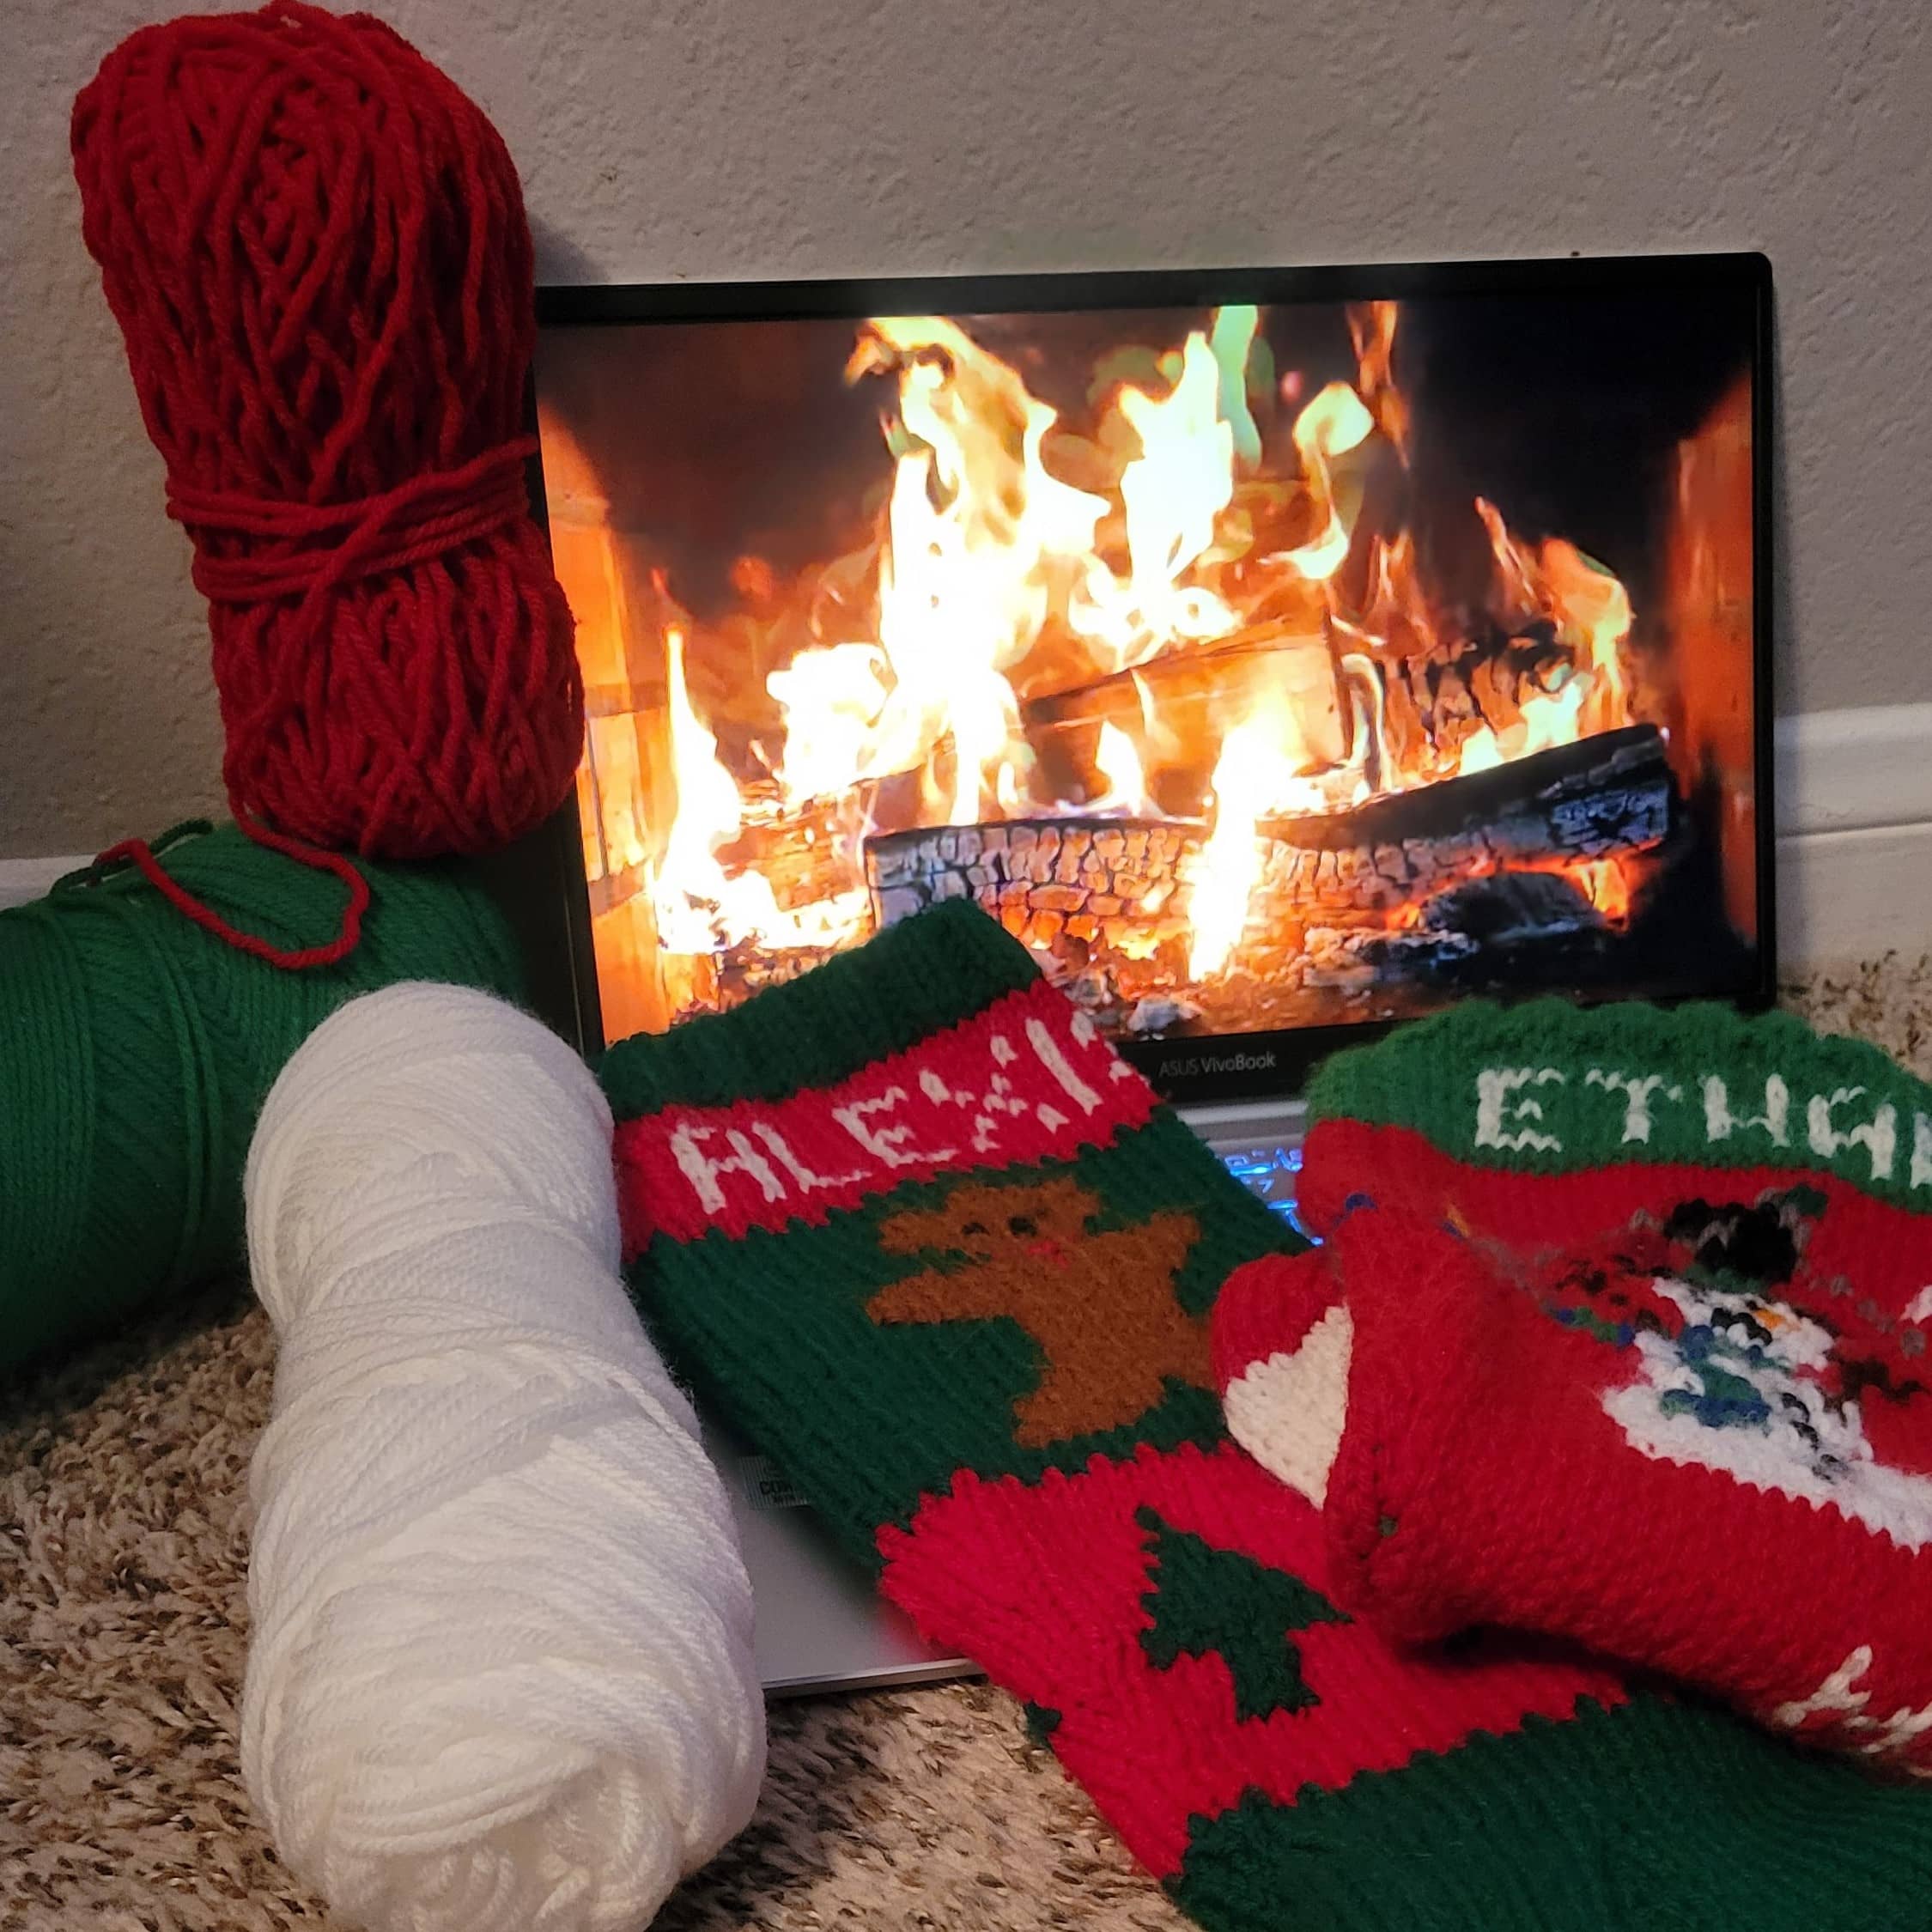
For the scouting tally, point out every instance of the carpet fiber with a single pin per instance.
(124, 1624)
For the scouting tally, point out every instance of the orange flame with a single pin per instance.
(1333, 424)
(1371, 325)
(1016, 556)
(700, 907)
(1229, 864)
(1119, 764)
(1606, 883)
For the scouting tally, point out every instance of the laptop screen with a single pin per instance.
(1274, 653)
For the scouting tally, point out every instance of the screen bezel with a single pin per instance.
(1222, 1066)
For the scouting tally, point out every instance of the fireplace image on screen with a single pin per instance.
(1258, 666)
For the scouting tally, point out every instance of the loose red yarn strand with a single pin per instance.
(315, 248)
(145, 859)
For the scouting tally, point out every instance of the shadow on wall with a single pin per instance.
(559, 259)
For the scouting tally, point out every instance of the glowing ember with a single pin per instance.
(1606, 883)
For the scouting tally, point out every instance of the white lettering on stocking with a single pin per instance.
(1720, 1122)
(1834, 1697)
(704, 1172)
(1636, 1094)
(1055, 1063)
(1921, 1151)
(1088, 1035)
(886, 1144)
(996, 1099)
(1496, 1114)
(1879, 1136)
(779, 1150)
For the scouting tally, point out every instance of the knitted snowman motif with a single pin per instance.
(922, 1237)
(1620, 1336)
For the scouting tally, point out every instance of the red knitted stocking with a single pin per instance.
(1644, 1442)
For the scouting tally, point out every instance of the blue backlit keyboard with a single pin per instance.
(1269, 1173)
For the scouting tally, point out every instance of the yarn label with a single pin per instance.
(766, 1489)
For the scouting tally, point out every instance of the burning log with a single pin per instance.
(1048, 881)
(1195, 694)
(1439, 697)
(742, 970)
(804, 854)
(1599, 798)
(1082, 888)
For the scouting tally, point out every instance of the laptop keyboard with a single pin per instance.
(1269, 1173)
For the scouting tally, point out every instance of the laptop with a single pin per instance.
(1278, 654)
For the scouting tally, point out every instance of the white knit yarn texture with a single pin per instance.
(501, 1674)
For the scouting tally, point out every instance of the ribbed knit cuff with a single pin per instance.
(1547, 1088)
(913, 980)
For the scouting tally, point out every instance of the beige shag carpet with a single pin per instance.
(124, 1626)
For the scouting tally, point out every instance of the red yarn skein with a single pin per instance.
(315, 248)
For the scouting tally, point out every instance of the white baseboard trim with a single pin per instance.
(21, 879)
(1853, 792)
(1854, 895)
(1853, 771)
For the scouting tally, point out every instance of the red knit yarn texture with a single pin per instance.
(315, 245)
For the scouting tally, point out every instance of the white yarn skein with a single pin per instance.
(500, 1678)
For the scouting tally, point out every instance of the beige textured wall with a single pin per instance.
(701, 138)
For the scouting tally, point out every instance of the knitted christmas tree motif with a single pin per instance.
(1702, 1440)
(1436, 1789)
(1171, 1609)
(1100, 1306)
(1206, 1602)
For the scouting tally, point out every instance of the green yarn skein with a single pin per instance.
(137, 1049)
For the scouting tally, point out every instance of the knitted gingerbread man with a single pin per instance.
(1100, 1306)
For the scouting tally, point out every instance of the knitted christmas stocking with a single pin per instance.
(1620, 1336)
(914, 1228)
